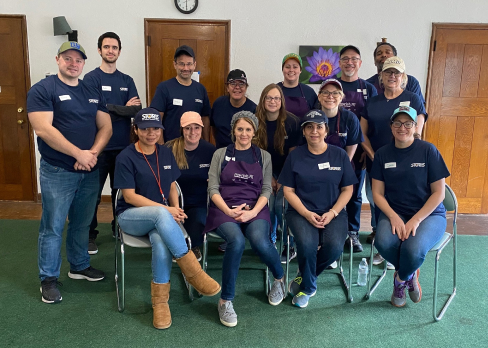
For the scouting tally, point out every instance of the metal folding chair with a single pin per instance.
(347, 285)
(451, 204)
(123, 239)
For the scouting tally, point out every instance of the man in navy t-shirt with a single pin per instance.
(73, 126)
(175, 96)
(123, 102)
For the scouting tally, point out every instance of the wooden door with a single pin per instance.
(17, 178)
(209, 40)
(457, 103)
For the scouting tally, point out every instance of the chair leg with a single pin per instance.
(371, 289)
(347, 286)
(205, 251)
(438, 316)
(287, 264)
(266, 281)
(120, 287)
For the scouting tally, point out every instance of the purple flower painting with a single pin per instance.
(323, 63)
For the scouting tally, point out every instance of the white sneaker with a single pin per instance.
(333, 265)
(378, 260)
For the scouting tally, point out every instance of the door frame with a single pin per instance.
(32, 148)
(147, 21)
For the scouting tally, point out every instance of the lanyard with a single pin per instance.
(158, 178)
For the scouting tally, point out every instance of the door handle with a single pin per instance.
(19, 110)
(20, 121)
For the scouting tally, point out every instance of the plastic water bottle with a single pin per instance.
(363, 272)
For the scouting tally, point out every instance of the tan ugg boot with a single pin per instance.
(195, 275)
(159, 298)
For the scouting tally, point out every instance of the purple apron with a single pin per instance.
(240, 182)
(334, 138)
(298, 106)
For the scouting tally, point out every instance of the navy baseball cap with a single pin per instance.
(148, 118)
(187, 50)
(315, 116)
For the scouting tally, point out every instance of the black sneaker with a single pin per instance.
(356, 244)
(370, 237)
(293, 254)
(92, 247)
(91, 274)
(49, 290)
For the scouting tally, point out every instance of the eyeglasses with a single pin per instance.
(408, 124)
(352, 59)
(335, 94)
(71, 60)
(391, 73)
(237, 84)
(275, 99)
(182, 65)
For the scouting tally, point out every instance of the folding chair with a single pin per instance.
(347, 285)
(451, 204)
(123, 239)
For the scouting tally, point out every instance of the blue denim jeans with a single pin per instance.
(235, 234)
(165, 235)
(276, 211)
(65, 194)
(409, 255)
(311, 262)
(195, 224)
(369, 194)
(353, 207)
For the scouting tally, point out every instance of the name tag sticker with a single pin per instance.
(107, 88)
(64, 97)
(178, 102)
(405, 103)
(324, 165)
(390, 165)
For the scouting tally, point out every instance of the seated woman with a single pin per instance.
(146, 172)
(193, 156)
(278, 133)
(408, 187)
(239, 186)
(317, 182)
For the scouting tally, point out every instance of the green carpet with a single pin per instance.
(88, 314)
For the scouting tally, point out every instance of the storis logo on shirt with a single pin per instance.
(167, 167)
(335, 168)
(342, 134)
(199, 101)
(417, 165)
(124, 89)
(94, 101)
(207, 165)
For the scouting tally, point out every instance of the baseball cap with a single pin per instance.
(405, 110)
(349, 47)
(334, 82)
(395, 63)
(315, 116)
(184, 50)
(292, 56)
(148, 118)
(72, 45)
(190, 117)
(237, 75)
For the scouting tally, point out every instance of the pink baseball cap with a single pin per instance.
(190, 117)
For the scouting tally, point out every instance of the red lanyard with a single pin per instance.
(158, 178)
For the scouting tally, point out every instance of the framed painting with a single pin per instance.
(319, 63)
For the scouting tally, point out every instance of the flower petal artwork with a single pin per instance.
(323, 63)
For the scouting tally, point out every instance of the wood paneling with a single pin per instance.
(447, 133)
(477, 165)
(474, 107)
(471, 71)
(462, 154)
(483, 84)
(454, 70)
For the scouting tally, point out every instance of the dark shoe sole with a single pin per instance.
(81, 276)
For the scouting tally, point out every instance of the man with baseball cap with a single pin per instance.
(73, 126)
(123, 102)
(179, 94)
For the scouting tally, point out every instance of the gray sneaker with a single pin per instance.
(227, 315)
(378, 260)
(398, 298)
(413, 286)
(294, 286)
(301, 300)
(277, 293)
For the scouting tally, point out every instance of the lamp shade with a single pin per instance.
(61, 26)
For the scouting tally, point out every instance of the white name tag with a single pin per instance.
(390, 165)
(228, 159)
(178, 102)
(405, 103)
(64, 97)
(324, 165)
(107, 88)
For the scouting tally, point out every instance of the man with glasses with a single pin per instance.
(180, 94)
(72, 126)
(357, 92)
(123, 103)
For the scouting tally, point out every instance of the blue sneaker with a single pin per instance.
(301, 300)
(294, 286)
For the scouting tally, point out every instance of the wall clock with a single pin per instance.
(186, 6)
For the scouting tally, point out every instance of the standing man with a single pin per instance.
(120, 94)
(357, 92)
(180, 94)
(72, 126)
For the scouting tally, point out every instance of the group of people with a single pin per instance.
(312, 152)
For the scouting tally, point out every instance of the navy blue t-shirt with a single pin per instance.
(292, 139)
(74, 115)
(362, 86)
(407, 174)
(413, 86)
(317, 179)
(117, 89)
(194, 180)
(308, 93)
(378, 114)
(349, 128)
(133, 172)
(221, 115)
(174, 99)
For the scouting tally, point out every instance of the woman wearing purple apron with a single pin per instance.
(239, 188)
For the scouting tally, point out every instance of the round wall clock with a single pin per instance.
(186, 6)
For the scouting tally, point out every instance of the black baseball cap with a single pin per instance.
(237, 75)
(349, 47)
(187, 50)
(148, 118)
(315, 116)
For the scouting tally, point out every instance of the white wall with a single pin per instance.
(262, 31)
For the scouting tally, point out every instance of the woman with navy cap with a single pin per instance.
(408, 186)
(193, 156)
(146, 173)
(317, 181)
(239, 187)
